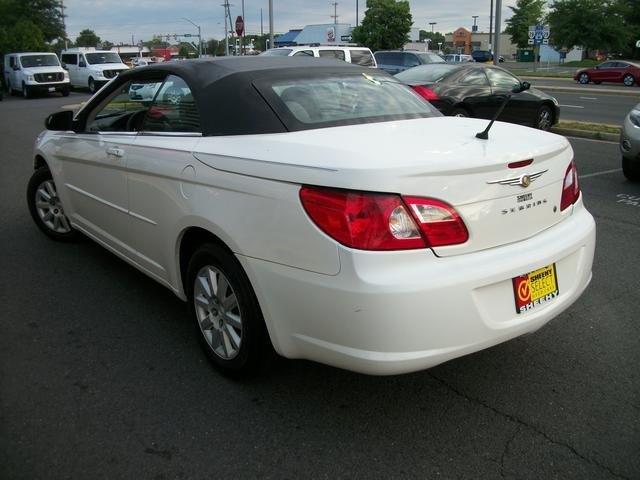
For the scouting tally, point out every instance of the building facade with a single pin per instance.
(464, 41)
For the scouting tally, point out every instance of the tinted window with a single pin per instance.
(430, 58)
(339, 54)
(426, 73)
(501, 79)
(49, 60)
(173, 110)
(607, 65)
(348, 100)
(102, 57)
(361, 57)
(475, 77)
(389, 58)
(303, 53)
(12, 61)
(124, 109)
(411, 60)
(70, 59)
(275, 52)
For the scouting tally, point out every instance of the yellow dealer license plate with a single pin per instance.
(535, 288)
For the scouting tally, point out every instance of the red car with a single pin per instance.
(610, 71)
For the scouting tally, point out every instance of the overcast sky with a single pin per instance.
(116, 20)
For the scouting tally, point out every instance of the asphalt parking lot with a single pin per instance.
(101, 375)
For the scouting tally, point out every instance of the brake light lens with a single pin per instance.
(381, 221)
(425, 92)
(570, 187)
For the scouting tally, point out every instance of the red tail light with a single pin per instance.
(570, 187)
(380, 221)
(425, 92)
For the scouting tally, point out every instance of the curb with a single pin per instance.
(570, 132)
(593, 91)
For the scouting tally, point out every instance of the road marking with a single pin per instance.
(572, 106)
(604, 172)
(592, 140)
(588, 98)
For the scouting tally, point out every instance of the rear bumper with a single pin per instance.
(391, 313)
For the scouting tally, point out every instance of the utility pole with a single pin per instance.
(490, 24)
(432, 25)
(261, 26)
(270, 23)
(356, 13)
(335, 13)
(496, 44)
(244, 28)
(475, 23)
(64, 25)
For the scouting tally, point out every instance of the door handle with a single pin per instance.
(115, 152)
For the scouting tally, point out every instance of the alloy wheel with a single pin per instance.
(544, 118)
(218, 312)
(584, 78)
(50, 209)
(629, 80)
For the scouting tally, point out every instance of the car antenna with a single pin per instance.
(484, 135)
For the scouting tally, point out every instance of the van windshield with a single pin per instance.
(103, 57)
(279, 52)
(48, 60)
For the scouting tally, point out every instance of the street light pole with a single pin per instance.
(270, 23)
(199, 36)
(490, 24)
(496, 43)
(432, 25)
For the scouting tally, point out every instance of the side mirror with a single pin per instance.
(523, 87)
(82, 64)
(64, 65)
(16, 68)
(59, 121)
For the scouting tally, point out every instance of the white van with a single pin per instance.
(91, 68)
(357, 55)
(34, 72)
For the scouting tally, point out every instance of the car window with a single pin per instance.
(46, 60)
(501, 79)
(475, 77)
(606, 65)
(389, 58)
(277, 52)
(124, 109)
(361, 57)
(430, 58)
(411, 60)
(70, 59)
(100, 58)
(173, 110)
(304, 53)
(339, 54)
(427, 73)
(12, 61)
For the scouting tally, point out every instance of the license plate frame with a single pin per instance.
(535, 288)
(52, 89)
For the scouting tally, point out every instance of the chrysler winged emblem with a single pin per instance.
(522, 181)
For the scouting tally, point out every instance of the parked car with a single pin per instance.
(31, 73)
(330, 214)
(395, 61)
(357, 55)
(484, 56)
(630, 145)
(91, 68)
(142, 62)
(612, 71)
(473, 90)
(457, 58)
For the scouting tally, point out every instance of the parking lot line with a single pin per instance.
(603, 172)
(572, 106)
(588, 98)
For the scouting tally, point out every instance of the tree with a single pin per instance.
(106, 45)
(525, 13)
(591, 24)
(434, 39)
(386, 25)
(24, 36)
(87, 38)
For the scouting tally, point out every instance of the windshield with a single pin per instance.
(102, 57)
(431, 58)
(47, 60)
(277, 52)
(347, 100)
(426, 73)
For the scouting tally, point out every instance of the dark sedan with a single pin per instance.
(614, 71)
(475, 90)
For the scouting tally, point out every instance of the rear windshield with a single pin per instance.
(430, 58)
(105, 57)
(29, 61)
(304, 103)
(277, 52)
(426, 73)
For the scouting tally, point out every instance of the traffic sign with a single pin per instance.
(239, 25)
(539, 34)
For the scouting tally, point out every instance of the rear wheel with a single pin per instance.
(631, 170)
(228, 318)
(583, 78)
(628, 80)
(544, 119)
(46, 209)
(459, 112)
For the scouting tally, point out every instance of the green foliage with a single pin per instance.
(592, 24)
(385, 26)
(29, 25)
(87, 38)
(435, 38)
(24, 36)
(525, 13)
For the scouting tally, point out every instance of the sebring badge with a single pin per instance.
(523, 180)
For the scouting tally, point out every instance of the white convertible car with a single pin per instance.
(319, 209)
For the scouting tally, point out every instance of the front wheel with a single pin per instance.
(65, 92)
(629, 80)
(544, 120)
(631, 170)
(92, 85)
(583, 78)
(46, 209)
(25, 91)
(228, 318)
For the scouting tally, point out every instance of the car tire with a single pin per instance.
(65, 92)
(544, 118)
(631, 170)
(628, 80)
(459, 112)
(92, 85)
(25, 91)
(584, 78)
(232, 334)
(46, 209)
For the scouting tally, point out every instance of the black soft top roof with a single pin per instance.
(223, 88)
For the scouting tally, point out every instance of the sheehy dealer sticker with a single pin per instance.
(535, 288)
